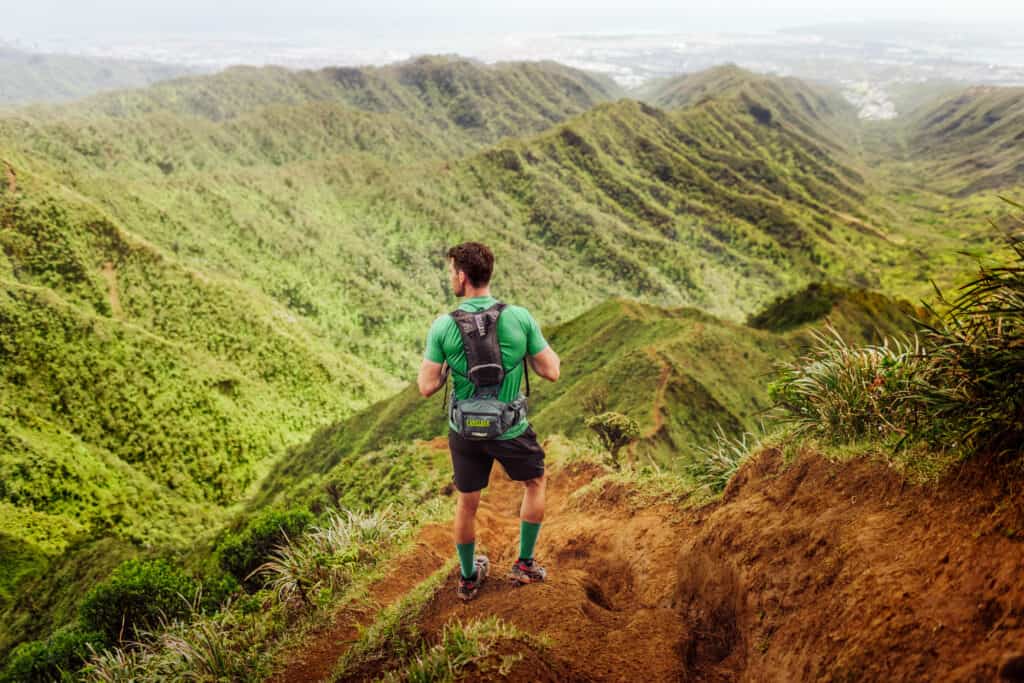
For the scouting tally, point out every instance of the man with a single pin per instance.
(518, 335)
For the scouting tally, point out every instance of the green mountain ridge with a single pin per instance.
(681, 373)
(976, 136)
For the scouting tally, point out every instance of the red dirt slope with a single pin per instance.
(815, 571)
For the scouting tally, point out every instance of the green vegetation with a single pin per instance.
(465, 648)
(956, 389)
(721, 459)
(326, 558)
(846, 392)
(241, 553)
(393, 636)
(197, 277)
(136, 596)
(615, 431)
(972, 141)
(55, 658)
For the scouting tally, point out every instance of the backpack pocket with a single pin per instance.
(476, 418)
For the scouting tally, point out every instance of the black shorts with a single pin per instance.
(522, 458)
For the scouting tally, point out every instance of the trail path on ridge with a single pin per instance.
(595, 600)
(804, 570)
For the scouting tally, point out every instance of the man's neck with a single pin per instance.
(473, 292)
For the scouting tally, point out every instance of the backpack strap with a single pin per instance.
(479, 332)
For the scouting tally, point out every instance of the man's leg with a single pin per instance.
(465, 531)
(531, 514)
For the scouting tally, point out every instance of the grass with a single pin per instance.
(717, 463)
(392, 636)
(845, 392)
(465, 647)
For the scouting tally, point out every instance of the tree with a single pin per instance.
(615, 430)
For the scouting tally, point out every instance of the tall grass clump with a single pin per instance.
(973, 384)
(462, 647)
(326, 558)
(841, 392)
(717, 462)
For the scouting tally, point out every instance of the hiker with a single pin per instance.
(487, 346)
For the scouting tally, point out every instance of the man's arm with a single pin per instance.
(432, 377)
(547, 364)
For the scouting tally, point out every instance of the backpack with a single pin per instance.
(483, 415)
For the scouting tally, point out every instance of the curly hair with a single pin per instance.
(475, 260)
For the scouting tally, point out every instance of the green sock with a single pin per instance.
(527, 538)
(466, 558)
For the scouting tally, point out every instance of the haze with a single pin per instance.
(42, 20)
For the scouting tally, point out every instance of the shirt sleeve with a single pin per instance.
(434, 351)
(535, 341)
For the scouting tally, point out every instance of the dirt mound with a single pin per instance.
(846, 572)
(812, 571)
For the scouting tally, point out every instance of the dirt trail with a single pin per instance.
(812, 571)
(657, 406)
(110, 276)
(12, 178)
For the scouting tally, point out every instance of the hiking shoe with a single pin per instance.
(527, 571)
(468, 588)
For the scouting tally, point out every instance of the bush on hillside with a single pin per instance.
(53, 659)
(615, 431)
(136, 598)
(328, 556)
(240, 553)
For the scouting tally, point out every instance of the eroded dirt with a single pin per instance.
(811, 571)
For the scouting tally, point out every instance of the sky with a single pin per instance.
(44, 19)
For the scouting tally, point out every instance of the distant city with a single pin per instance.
(874, 63)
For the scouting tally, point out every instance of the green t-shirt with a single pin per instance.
(518, 335)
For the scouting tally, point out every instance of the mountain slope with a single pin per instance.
(471, 102)
(818, 111)
(973, 141)
(138, 398)
(680, 373)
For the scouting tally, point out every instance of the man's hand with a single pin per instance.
(432, 377)
(547, 364)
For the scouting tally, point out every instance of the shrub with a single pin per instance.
(326, 557)
(959, 388)
(217, 589)
(136, 597)
(841, 392)
(973, 384)
(55, 658)
(241, 553)
(462, 646)
(615, 431)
